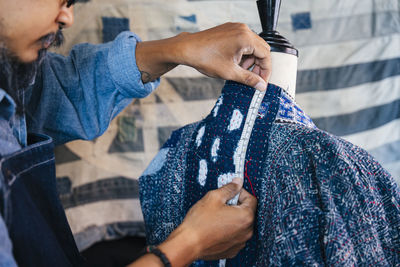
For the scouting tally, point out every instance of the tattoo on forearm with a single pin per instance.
(146, 77)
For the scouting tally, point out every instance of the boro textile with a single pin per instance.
(321, 200)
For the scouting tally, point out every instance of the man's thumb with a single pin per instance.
(250, 78)
(230, 190)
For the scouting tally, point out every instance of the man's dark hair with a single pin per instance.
(70, 2)
(16, 76)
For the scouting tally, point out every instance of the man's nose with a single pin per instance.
(66, 17)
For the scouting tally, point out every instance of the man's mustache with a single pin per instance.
(16, 76)
(53, 39)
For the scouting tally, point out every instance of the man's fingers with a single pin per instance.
(230, 190)
(265, 66)
(249, 78)
(256, 70)
(232, 252)
(247, 200)
(247, 62)
(260, 52)
(262, 56)
(261, 48)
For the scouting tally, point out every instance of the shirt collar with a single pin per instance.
(7, 105)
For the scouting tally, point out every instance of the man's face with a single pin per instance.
(27, 26)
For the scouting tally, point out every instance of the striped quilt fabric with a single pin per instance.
(349, 71)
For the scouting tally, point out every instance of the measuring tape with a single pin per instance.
(241, 150)
(239, 156)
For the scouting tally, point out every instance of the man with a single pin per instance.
(76, 98)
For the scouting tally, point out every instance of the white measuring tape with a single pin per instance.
(241, 150)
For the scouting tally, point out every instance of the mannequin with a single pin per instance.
(284, 56)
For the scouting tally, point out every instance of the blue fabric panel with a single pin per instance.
(359, 121)
(301, 21)
(234, 98)
(191, 18)
(105, 189)
(113, 26)
(350, 75)
(289, 111)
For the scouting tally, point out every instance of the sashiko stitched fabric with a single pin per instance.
(321, 200)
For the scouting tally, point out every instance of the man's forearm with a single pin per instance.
(217, 52)
(154, 58)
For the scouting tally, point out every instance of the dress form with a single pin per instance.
(284, 56)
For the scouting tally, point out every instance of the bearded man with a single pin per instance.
(48, 99)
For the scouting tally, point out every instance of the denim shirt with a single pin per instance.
(73, 97)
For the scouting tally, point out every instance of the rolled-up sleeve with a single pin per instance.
(76, 97)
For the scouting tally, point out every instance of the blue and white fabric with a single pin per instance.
(321, 199)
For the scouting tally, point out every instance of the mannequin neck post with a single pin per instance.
(284, 71)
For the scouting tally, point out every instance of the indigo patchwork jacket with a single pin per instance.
(321, 200)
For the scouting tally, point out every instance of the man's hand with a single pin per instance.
(211, 230)
(221, 231)
(227, 51)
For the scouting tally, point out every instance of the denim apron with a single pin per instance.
(33, 213)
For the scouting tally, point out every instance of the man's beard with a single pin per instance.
(17, 76)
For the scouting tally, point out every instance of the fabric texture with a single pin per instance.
(321, 199)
